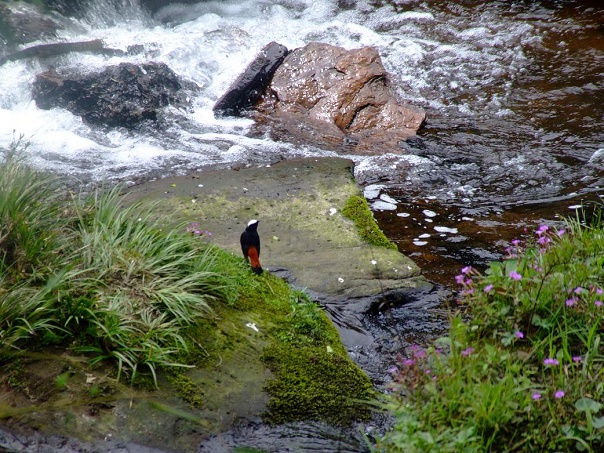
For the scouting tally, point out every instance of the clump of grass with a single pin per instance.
(524, 372)
(101, 274)
(357, 210)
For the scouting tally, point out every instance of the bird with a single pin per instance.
(250, 245)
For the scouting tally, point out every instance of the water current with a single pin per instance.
(514, 93)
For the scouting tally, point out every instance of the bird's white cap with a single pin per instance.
(251, 222)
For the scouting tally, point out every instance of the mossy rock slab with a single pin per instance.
(299, 204)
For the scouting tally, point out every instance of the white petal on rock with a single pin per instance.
(442, 229)
(372, 191)
(429, 213)
(383, 206)
(388, 199)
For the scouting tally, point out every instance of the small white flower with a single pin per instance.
(193, 200)
(374, 262)
(340, 279)
(332, 211)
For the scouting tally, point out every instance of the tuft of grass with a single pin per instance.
(357, 210)
(524, 370)
(98, 273)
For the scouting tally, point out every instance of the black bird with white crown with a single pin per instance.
(250, 245)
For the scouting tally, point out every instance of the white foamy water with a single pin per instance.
(444, 63)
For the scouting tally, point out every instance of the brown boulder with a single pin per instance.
(320, 86)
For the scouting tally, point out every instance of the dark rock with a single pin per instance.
(122, 95)
(60, 48)
(21, 23)
(249, 87)
(321, 86)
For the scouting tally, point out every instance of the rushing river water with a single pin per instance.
(514, 92)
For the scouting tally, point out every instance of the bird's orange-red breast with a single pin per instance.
(250, 245)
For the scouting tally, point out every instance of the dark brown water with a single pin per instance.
(533, 152)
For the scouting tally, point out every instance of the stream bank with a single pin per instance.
(58, 399)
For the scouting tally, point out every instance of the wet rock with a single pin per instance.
(249, 87)
(123, 95)
(22, 22)
(320, 86)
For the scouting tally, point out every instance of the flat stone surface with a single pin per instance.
(298, 203)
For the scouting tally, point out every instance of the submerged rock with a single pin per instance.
(123, 95)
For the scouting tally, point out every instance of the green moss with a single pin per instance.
(188, 389)
(314, 383)
(358, 211)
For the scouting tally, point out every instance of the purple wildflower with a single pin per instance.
(466, 270)
(519, 334)
(550, 361)
(577, 358)
(515, 275)
(536, 396)
(516, 242)
(561, 232)
(544, 240)
(392, 370)
(570, 302)
(488, 288)
(409, 362)
(599, 291)
(542, 229)
(598, 303)
(460, 279)
(559, 394)
(467, 352)
(578, 290)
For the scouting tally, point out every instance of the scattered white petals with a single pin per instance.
(332, 211)
(383, 206)
(388, 199)
(252, 325)
(372, 191)
(442, 229)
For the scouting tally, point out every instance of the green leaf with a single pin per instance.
(598, 422)
(588, 405)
